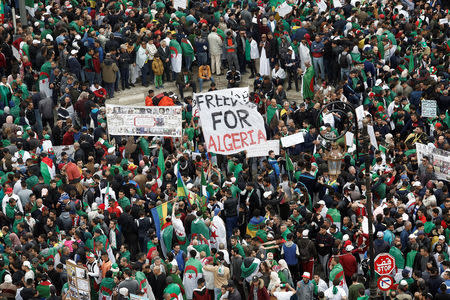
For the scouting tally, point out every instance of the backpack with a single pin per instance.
(343, 61)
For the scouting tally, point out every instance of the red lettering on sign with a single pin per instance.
(235, 137)
(225, 143)
(243, 139)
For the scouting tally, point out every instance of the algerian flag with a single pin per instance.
(289, 164)
(308, 83)
(175, 55)
(334, 216)
(161, 167)
(382, 149)
(144, 285)
(203, 190)
(192, 272)
(174, 291)
(47, 169)
(167, 236)
(218, 232)
(249, 268)
(198, 227)
(338, 272)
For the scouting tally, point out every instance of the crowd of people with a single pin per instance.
(274, 227)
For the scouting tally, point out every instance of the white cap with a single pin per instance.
(267, 194)
(378, 82)
(412, 236)
(49, 37)
(123, 291)
(321, 202)
(19, 132)
(380, 234)
(189, 186)
(349, 248)
(233, 179)
(441, 237)
(27, 264)
(345, 237)
(416, 183)
(8, 278)
(403, 282)
(36, 42)
(305, 232)
(78, 37)
(306, 275)
(73, 52)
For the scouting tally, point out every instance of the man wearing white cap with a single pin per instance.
(305, 288)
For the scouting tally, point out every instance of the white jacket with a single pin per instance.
(215, 44)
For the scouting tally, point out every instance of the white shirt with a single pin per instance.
(283, 295)
(338, 296)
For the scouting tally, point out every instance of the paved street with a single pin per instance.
(136, 95)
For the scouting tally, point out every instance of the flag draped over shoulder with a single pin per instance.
(159, 215)
(338, 272)
(254, 224)
(249, 267)
(174, 291)
(161, 167)
(192, 272)
(198, 227)
(47, 169)
(175, 55)
(308, 83)
(166, 238)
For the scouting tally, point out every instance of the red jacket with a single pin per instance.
(349, 264)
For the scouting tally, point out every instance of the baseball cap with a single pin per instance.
(9, 190)
(27, 264)
(255, 279)
(306, 275)
(380, 234)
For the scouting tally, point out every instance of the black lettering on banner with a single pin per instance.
(242, 115)
(216, 121)
(208, 99)
(229, 125)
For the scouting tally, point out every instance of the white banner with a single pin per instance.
(230, 122)
(264, 148)
(440, 159)
(429, 108)
(293, 139)
(144, 120)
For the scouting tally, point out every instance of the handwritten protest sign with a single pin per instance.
(263, 149)
(429, 108)
(231, 123)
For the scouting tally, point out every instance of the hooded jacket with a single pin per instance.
(262, 292)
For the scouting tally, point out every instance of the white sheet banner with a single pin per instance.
(144, 120)
(293, 139)
(230, 122)
(263, 149)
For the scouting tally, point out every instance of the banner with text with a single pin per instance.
(230, 122)
(440, 159)
(144, 120)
